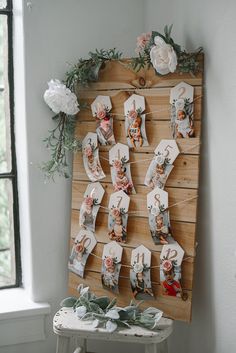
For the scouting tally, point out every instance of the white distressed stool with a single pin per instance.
(67, 325)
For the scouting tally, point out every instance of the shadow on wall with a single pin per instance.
(198, 334)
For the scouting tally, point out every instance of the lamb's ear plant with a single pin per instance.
(103, 312)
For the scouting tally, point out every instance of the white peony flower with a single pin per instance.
(138, 268)
(179, 104)
(60, 98)
(155, 211)
(81, 311)
(111, 326)
(163, 57)
(160, 159)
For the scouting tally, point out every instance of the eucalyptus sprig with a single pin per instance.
(103, 312)
(87, 70)
(60, 141)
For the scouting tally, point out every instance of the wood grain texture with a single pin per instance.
(174, 308)
(156, 131)
(185, 212)
(139, 233)
(118, 82)
(157, 102)
(183, 174)
(115, 74)
(94, 264)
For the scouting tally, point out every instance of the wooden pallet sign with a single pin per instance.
(119, 83)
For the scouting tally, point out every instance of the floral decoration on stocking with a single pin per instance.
(182, 118)
(83, 245)
(158, 217)
(161, 165)
(118, 216)
(120, 169)
(111, 264)
(170, 270)
(140, 273)
(135, 121)
(91, 160)
(90, 206)
(101, 108)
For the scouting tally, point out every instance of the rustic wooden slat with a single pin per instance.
(119, 83)
(115, 74)
(94, 264)
(185, 212)
(174, 308)
(183, 175)
(157, 103)
(156, 131)
(139, 233)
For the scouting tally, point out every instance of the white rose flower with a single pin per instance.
(163, 57)
(138, 268)
(81, 311)
(60, 98)
(160, 159)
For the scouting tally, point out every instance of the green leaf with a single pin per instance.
(103, 302)
(154, 34)
(124, 315)
(68, 302)
(111, 304)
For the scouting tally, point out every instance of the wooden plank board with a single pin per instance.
(156, 131)
(183, 174)
(157, 102)
(138, 232)
(118, 82)
(94, 264)
(115, 74)
(185, 212)
(174, 308)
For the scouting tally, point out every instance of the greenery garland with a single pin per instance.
(61, 139)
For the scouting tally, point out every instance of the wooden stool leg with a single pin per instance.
(151, 348)
(157, 348)
(62, 344)
(163, 347)
(81, 346)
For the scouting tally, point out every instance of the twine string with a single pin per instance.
(150, 159)
(129, 266)
(156, 111)
(173, 205)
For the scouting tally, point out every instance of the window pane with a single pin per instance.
(3, 4)
(7, 248)
(5, 141)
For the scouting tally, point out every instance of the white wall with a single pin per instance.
(211, 24)
(56, 32)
